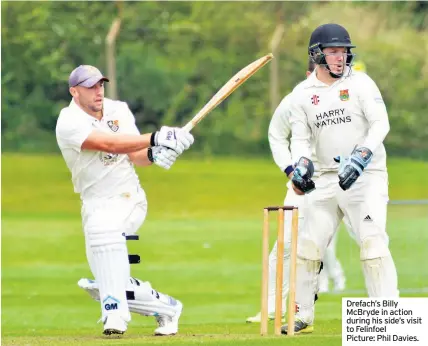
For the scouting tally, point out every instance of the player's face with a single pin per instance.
(90, 98)
(335, 58)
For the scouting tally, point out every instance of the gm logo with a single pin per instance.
(111, 303)
(112, 306)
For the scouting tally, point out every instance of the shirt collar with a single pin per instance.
(313, 81)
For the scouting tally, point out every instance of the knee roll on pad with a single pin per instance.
(307, 249)
(374, 247)
(100, 238)
(103, 237)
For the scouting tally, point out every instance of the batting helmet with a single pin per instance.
(329, 35)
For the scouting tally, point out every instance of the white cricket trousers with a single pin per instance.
(365, 206)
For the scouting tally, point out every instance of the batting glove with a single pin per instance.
(162, 156)
(173, 138)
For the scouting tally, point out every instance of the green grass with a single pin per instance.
(200, 243)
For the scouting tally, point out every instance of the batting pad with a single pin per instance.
(111, 270)
(142, 298)
(306, 288)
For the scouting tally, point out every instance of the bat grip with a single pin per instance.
(188, 127)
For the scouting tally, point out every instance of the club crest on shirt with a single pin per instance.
(113, 124)
(315, 99)
(344, 95)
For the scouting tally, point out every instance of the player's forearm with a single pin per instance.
(116, 144)
(376, 134)
(128, 143)
(140, 158)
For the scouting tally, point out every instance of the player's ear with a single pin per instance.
(308, 73)
(73, 91)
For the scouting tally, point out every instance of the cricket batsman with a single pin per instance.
(342, 114)
(100, 144)
(279, 133)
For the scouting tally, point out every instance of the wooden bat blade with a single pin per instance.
(233, 84)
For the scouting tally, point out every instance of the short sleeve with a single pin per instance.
(71, 131)
(130, 126)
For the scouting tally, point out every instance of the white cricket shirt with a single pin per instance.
(97, 174)
(279, 133)
(336, 118)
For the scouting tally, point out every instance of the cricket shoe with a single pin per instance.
(300, 327)
(114, 325)
(257, 318)
(91, 287)
(169, 325)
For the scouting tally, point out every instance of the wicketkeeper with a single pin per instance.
(279, 134)
(342, 114)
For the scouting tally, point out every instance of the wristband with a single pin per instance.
(150, 154)
(152, 139)
(289, 170)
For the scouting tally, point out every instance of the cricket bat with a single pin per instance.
(233, 84)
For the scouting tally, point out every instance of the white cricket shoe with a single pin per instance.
(114, 324)
(169, 325)
(91, 287)
(257, 318)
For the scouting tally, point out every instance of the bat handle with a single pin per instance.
(188, 127)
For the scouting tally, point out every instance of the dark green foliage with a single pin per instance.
(173, 56)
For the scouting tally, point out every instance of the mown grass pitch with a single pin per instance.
(200, 244)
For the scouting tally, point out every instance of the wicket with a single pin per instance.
(279, 270)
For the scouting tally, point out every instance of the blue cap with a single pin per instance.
(86, 76)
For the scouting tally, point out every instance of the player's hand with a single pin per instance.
(162, 156)
(302, 174)
(352, 167)
(173, 137)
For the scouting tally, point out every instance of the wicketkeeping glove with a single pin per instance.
(352, 167)
(162, 156)
(172, 137)
(302, 175)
